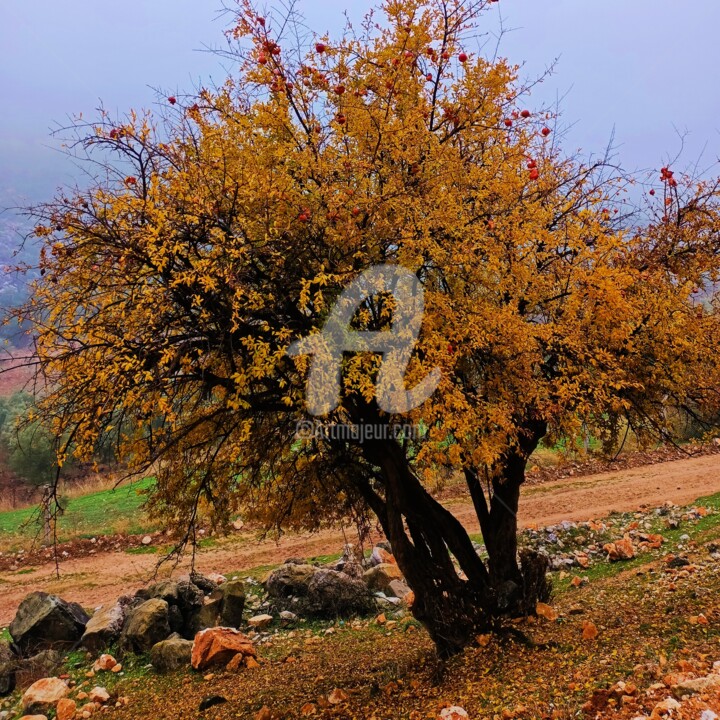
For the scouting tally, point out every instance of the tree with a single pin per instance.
(173, 287)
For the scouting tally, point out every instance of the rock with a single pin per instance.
(104, 663)
(453, 713)
(381, 556)
(146, 626)
(699, 685)
(166, 590)
(33, 717)
(147, 540)
(66, 709)
(99, 695)
(8, 669)
(191, 600)
(217, 646)
(337, 697)
(238, 525)
(589, 630)
(211, 701)
(260, 621)
(233, 603)
(43, 664)
(399, 589)
(378, 578)
(217, 578)
(208, 614)
(288, 618)
(45, 621)
(171, 654)
(620, 549)
(546, 611)
(290, 580)
(334, 594)
(664, 707)
(203, 582)
(104, 627)
(44, 693)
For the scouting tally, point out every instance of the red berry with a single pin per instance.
(356, 211)
(340, 119)
(462, 57)
(546, 131)
(172, 99)
(339, 89)
(262, 59)
(534, 174)
(429, 77)
(508, 122)
(320, 47)
(525, 113)
(531, 164)
(652, 192)
(261, 21)
(130, 180)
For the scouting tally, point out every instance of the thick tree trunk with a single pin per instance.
(457, 596)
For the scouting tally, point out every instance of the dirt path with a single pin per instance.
(102, 578)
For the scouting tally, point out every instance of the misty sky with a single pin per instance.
(647, 68)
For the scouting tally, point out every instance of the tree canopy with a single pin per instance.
(223, 231)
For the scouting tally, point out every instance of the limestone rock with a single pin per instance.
(171, 654)
(44, 693)
(146, 626)
(45, 621)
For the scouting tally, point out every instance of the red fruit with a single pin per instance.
(276, 50)
(114, 133)
(429, 77)
(525, 113)
(303, 217)
(320, 47)
(534, 174)
(445, 55)
(261, 21)
(508, 122)
(130, 180)
(652, 192)
(340, 119)
(531, 164)
(172, 99)
(356, 211)
(462, 57)
(546, 131)
(339, 89)
(262, 59)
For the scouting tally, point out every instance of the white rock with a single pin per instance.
(99, 695)
(147, 540)
(47, 691)
(453, 713)
(260, 621)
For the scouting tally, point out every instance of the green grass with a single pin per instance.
(102, 513)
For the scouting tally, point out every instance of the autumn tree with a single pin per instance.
(224, 231)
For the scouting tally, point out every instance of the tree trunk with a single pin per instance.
(457, 596)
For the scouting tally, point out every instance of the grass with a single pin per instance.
(107, 512)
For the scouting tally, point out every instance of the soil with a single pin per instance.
(101, 577)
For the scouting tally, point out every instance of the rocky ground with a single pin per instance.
(633, 631)
(97, 573)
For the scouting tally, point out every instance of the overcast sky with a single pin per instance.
(646, 68)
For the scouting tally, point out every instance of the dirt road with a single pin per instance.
(103, 577)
